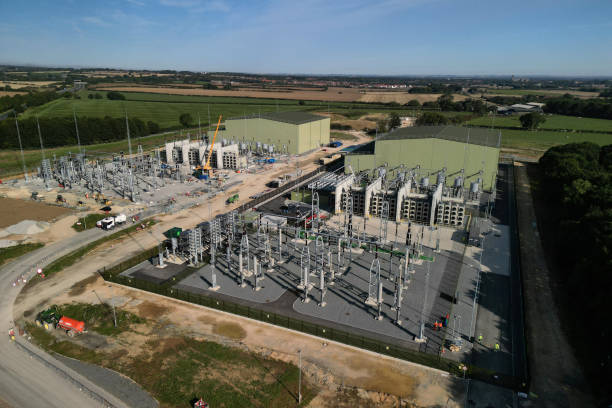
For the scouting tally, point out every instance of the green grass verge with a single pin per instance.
(99, 318)
(541, 140)
(6, 254)
(88, 222)
(553, 122)
(74, 256)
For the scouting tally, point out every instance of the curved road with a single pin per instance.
(30, 377)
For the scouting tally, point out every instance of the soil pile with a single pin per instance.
(28, 227)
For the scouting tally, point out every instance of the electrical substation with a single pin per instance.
(379, 241)
(349, 249)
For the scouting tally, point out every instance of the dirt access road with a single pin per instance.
(556, 377)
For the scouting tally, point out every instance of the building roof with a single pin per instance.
(294, 117)
(478, 136)
(522, 106)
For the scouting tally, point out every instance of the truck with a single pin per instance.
(111, 222)
(52, 319)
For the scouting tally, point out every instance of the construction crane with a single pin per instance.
(207, 169)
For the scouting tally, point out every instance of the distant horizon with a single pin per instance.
(564, 38)
(466, 76)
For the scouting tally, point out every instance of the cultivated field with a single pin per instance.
(331, 94)
(543, 92)
(11, 93)
(13, 211)
(25, 84)
(402, 97)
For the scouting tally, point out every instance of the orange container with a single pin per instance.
(71, 324)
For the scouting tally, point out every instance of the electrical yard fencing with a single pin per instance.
(113, 274)
(167, 288)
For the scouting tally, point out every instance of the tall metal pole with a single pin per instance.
(127, 126)
(25, 173)
(42, 149)
(77, 131)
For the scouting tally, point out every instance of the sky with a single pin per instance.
(377, 37)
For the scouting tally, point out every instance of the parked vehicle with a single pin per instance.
(50, 319)
(111, 222)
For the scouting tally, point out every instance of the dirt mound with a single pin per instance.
(5, 243)
(28, 227)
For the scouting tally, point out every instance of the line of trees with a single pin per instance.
(61, 131)
(572, 106)
(577, 185)
(21, 102)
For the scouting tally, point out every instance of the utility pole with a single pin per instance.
(25, 173)
(300, 377)
(76, 126)
(127, 126)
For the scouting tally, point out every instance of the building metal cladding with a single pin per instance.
(433, 148)
(288, 132)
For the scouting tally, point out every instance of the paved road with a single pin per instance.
(28, 376)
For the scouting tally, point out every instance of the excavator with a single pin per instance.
(206, 169)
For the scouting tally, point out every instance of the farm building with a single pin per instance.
(285, 132)
(425, 174)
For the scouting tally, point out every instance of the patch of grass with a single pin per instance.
(6, 254)
(341, 136)
(541, 140)
(231, 330)
(99, 318)
(89, 221)
(553, 122)
(178, 370)
(76, 255)
(49, 342)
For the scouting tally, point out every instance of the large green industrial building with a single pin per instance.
(286, 132)
(434, 148)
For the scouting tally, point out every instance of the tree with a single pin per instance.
(413, 103)
(185, 119)
(98, 96)
(381, 126)
(446, 102)
(115, 96)
(394, 121)
(301, 103)
(532, 120)
(153, 127)
(431, 118)
(90, 96)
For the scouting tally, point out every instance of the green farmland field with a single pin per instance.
(541, 140)
(166, 109)
(553, 122)
(164, 113)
